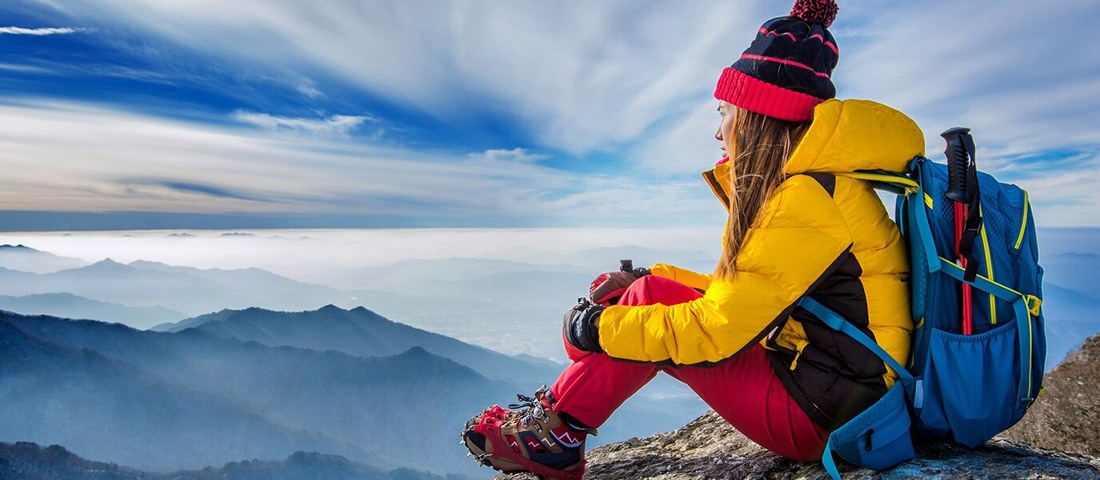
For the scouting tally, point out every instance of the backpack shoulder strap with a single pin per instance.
(890, 181)
(834, 321)
(896, 452)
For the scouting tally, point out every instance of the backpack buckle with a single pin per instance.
(1034, 304)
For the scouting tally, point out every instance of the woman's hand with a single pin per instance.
(581, 327)
(607, 288)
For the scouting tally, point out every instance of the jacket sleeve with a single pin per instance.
(696, 280)
(799, 237)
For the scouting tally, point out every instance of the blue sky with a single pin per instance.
(130, 114)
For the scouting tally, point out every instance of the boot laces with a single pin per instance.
(533, 409)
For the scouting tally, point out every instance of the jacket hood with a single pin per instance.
(850, 135)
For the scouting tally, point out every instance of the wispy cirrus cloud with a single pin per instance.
(23, 68)
(113, 160)
(40, 31)
(333, 125)
(624, 75)
(613, 76)
(507, 157)
(196, 188)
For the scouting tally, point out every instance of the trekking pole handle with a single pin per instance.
(960, 160)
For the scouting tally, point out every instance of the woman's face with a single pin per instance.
(726, 110)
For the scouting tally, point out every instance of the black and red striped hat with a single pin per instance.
(788, 68)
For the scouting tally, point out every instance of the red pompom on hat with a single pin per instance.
(788, 68)
(816, 11)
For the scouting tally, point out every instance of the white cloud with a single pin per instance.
(112, 160)
(584, 75)
(39, 31)
(515, 156)
(333, 125)
(579, 75)
(1021, 74)
(307, 88)
(11, 67)
(685, 144)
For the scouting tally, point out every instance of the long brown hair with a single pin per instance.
(758, 147)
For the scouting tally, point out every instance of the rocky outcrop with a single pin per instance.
(1067, 416)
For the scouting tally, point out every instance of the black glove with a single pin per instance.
(607, 288)
(581, 327)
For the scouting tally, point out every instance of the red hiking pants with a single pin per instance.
(744, 390)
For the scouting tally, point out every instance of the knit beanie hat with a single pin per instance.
(786, 71)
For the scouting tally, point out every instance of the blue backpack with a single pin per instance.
(979, 346)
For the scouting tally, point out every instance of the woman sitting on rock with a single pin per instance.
(796, 227)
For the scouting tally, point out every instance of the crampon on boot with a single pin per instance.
(535, 439)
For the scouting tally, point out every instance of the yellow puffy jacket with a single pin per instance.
(821, 234)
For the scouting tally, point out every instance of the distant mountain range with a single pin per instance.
(183, 289)
(261, 384)
(511, 307)
(164, 401)
(27, 259)
(362, 333)
(28, 461)
(508, 306)
(1076, 271)
(1071, 318)
(68, 305)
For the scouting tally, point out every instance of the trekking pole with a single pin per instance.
(962, 190)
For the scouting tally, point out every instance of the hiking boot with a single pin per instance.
(535, 439)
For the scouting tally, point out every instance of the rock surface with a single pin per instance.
(1067, 416)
